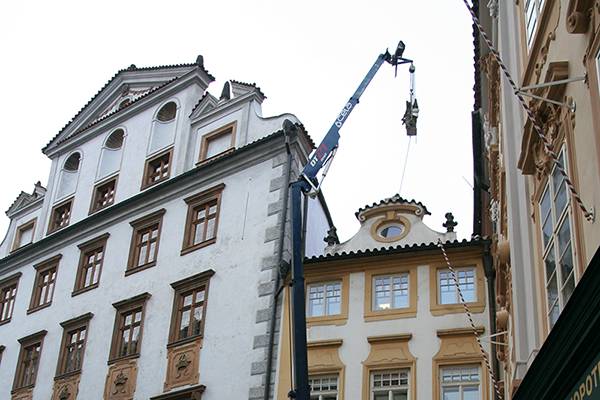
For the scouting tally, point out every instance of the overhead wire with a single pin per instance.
(405, 163)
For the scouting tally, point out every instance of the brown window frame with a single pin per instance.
(35, 339)
(86, 249)
(52, 227)
(96, 195)
(146, 182)
(201, 200)
(182, 287)
(19, 232)
(123, 308)
(73, 325)
(7, 284)
(230, 129)
(2, 347)
(38, 284)
(139, 226)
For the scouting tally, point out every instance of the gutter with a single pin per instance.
(490, 275)
(280, 244)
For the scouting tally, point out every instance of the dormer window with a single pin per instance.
(24, 234)
(162, 134)
(110, 158)
(68, 175)
(391, 231)
(61, 216)
(157, 169)
(217, 142)
(104, 195)
(124, 103)
(390, 228)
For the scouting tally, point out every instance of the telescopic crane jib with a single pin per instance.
(309, 184)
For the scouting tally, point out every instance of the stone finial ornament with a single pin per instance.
(200, 60)
(332, 237)
(450, 223)
(132, 67)
(226, 92)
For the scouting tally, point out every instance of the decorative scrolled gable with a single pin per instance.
(533, 159)
(579, 15)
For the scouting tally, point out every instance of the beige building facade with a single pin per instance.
(542, 239)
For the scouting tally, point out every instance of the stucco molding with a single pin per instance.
(578, 15)
(183, 365)
(121, 380)
(66, 388)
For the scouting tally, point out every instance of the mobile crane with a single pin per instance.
(308, 184)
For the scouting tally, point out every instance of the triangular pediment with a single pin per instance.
(25, 199)
(127, 87)
(205, 104)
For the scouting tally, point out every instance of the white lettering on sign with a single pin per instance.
(340, 119)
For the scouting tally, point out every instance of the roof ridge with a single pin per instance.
(396, 198)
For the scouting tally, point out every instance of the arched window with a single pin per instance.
(168, 112)
(68, 175)
(163, 127)
(110, 157)
(124, 102)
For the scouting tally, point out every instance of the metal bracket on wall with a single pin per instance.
(571, 106)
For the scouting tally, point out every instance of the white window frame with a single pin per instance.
(325, 298)
(391, 290)
(459, 272)
(324, 394)
(532, 9)
(551, 253)
(390, 388)
(460, 383)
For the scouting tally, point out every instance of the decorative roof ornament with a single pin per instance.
(200, 60)
(332, 237)
(450, 223)
(226, 92)
(132, 67)
(419, 208)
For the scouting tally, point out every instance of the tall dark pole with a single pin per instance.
(302, 391)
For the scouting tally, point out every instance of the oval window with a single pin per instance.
(72, 163)
(167, 112)
(391, 231)
(115, 140)
(124, 103)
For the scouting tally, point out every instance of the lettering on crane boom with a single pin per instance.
(340, 119)
(320, 154)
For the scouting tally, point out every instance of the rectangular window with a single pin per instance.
(104, 195)
(202, 219)
(448, 294)
(323, 387)
(217, 142)
(189, 307)
(73, 345)
(324, 299)
(460, 383)
(533, 9)
(127, 334)
(60, 216)
(24, 235)
(28, 362)
(144, 242)
(8, 293)
(43, 288)
(390, 291)
(559, 262)
(90, 264)
(390, 385)
(158, 169)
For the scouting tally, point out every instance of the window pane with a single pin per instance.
(471, 393)
(550, 263)
(450, 393)
(552, 289)
(218, 145)
(400, 396)
(210, 229)
(564, 236)
(568, 289)
(566, 264)
(554, 313)
(381, 396)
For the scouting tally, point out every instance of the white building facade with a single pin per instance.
(147, 268)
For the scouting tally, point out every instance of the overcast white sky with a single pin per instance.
(307, 56)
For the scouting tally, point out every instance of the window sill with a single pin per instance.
(197, 246)
(187, 340)
(327, 320)
(67, 375)
(211, 158)
(149, 185)
(83, 290)
(51, 231)
(37, 308)
(123, 358)
(22, 388)
(6, 321)
(395, 313)
(131, 271)
(95, 210)
(443, 309)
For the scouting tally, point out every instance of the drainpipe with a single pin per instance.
(490, 275)
(285, 187)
